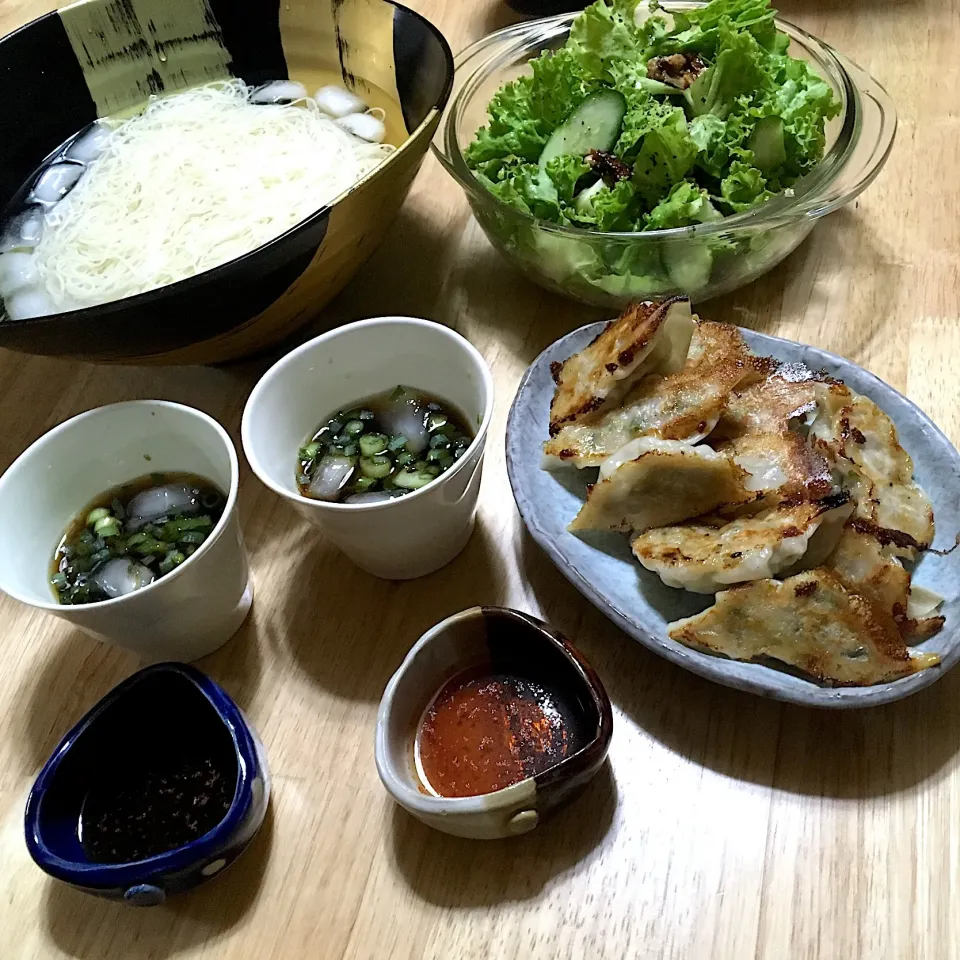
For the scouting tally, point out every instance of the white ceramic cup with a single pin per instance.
(184, 615)
(411, 535)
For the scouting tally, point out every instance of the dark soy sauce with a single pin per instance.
(145, 812)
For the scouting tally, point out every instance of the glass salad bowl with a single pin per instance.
(701, 261)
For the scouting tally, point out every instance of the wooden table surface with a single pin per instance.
(724, 826)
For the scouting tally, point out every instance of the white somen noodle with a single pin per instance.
(195, 180)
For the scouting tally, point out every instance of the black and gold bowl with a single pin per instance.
(99, 58)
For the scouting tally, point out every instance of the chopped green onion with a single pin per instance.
(100, 556)
(376, 467)
(173, 530)
(372, 443)
(433, 469)
(310, 451)
(95, 516)
(171, 560)
(438, 440)
(107, 526)
(354, 428)
(412, 479)
(193, 536)
(151, 546)
(436, 421)
(396, 443)
(303, 479)
(437, 454)
(59, 580)
(404, 458)
(365, 483)
(350, 450)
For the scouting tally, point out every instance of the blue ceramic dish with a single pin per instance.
(149, 714)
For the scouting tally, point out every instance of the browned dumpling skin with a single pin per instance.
(863, 563)
(704, 559)
(779, 467)
(771, 405)
(669, 482)
(812, 622)
(679, 406)
(878, 471)
(650, 337)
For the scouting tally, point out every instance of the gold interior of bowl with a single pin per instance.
(177, 44)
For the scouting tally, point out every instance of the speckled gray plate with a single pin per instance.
(604, 571)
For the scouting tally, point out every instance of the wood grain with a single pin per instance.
(724, 826)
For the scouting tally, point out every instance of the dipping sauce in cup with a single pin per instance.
(397, 520)
(485, 731)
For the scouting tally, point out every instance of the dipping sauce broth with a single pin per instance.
(485, 731)
(153, 811)
(134, 534)
(382, 447)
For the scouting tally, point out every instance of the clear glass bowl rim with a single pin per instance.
(811, 199)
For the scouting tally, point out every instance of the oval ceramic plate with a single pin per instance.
(604, 570)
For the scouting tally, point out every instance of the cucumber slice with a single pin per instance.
(594, 125)
(656, 88)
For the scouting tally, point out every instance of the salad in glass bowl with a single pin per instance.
(636, 150)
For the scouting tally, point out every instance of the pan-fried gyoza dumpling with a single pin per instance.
(645, 338)
(658, 482)
(812, 622)
(780, 466)
(680, 406)
(704, 559)
(878, 471)
(772, 405)
(862, 561)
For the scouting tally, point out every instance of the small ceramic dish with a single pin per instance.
(506, 642)
(606, 573)
(184, 615)
(152, 718)
(412, 535)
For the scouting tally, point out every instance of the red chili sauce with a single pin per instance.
(485, 731)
